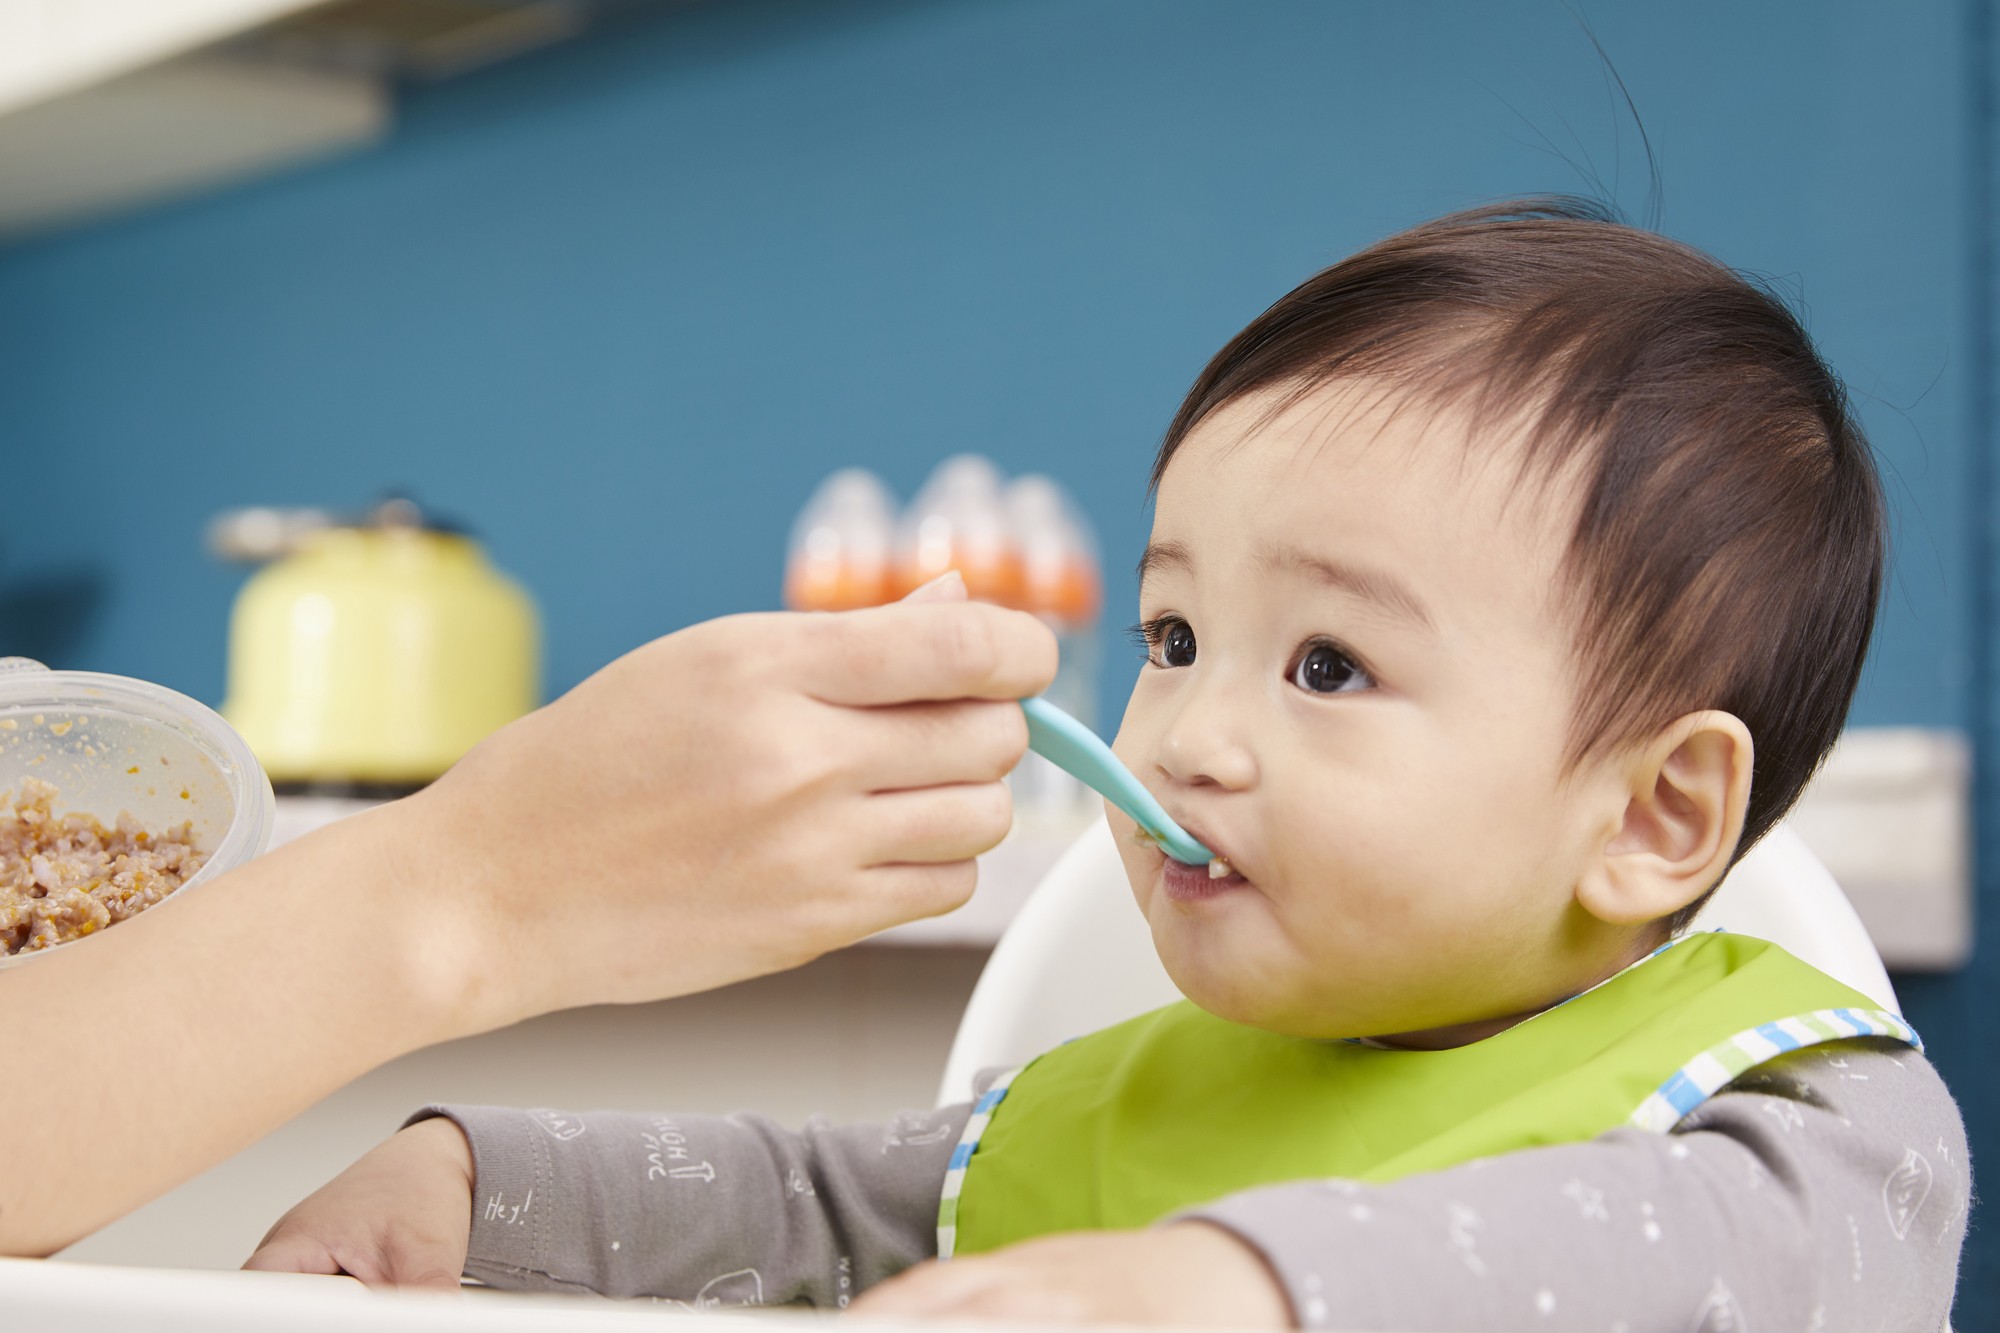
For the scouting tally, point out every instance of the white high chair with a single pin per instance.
(1079, 956)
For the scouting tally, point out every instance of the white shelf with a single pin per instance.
(1890, 815)
(52, 47)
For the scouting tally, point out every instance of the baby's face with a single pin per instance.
(1359, 694)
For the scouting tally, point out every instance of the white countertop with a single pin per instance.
(50, 1296)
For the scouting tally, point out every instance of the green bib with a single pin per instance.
(1177, 1107)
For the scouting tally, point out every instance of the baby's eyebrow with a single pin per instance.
(1374, 585)
(1164, 555)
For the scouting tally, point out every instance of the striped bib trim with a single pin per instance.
(961, 1156)
(1708, 1073)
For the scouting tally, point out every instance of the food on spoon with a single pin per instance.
(66, 876)
(1219, 868)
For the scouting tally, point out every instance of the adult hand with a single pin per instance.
(1182, 1273)
(726, 801)
(730, 800)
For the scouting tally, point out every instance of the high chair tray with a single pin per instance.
(52, 1296)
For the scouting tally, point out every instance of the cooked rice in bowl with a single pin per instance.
(63, 877)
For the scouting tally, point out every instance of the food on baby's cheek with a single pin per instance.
(66, 876)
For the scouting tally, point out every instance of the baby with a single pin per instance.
(1507, 581)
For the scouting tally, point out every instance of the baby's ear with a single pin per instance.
(1687, 790)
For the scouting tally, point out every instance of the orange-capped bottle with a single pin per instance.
(1059, 576)
(957, 522)
(1060, 583)
(839, 556)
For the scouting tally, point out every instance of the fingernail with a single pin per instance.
(946, 587)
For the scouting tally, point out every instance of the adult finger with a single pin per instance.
(909, 651)
(899, 893)
(935, 825)
(931, 744)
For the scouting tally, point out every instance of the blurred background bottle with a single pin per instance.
(957, 521)
(1061, 583)
(839, 557)
(1022, 544)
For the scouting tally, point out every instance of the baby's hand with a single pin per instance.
(1185, 1273)
(400, 1217)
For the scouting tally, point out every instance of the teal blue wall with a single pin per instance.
(619, 305)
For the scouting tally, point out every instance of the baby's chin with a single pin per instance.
(1226, 951)
(1244, 984)
(1260, 983)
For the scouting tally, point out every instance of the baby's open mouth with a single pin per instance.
(1192, 883)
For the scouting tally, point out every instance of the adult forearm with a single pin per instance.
(142, 1056)
(730, 800)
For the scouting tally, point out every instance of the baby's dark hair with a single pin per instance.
(1729, 547)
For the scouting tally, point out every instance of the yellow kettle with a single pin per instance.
(371, 655)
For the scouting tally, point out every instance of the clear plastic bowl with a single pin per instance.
(86, 733)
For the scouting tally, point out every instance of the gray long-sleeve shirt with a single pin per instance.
(1825, 1190)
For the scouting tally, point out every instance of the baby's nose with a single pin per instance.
(1207, 746)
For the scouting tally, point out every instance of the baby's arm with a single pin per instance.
(1825, 1190)
(702, 1209)
(699, 1209)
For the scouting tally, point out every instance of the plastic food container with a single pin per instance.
(86, 733)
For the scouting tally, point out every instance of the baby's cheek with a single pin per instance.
(1389, 892)
(1353, 851)
(1418, 836)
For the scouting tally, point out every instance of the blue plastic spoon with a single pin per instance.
(1075, 749)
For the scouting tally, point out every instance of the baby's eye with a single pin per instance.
(1325, 669)
(1169, 641)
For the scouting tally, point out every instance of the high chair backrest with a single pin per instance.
(1079, 956)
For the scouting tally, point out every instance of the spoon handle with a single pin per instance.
(1075, 748)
